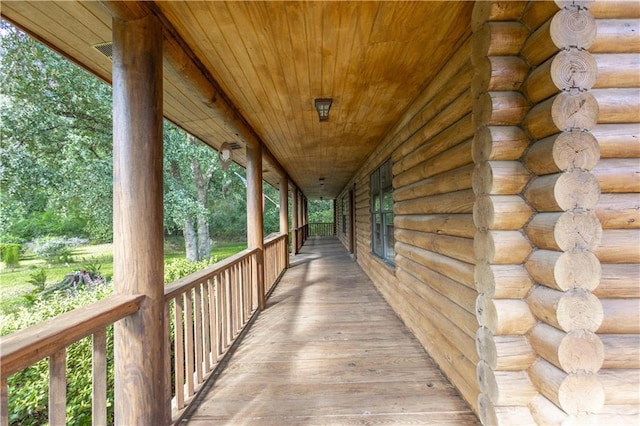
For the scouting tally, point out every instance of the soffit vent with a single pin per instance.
(105, 48)
(235, 145)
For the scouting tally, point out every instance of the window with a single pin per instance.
(345, 206)
(382, 212)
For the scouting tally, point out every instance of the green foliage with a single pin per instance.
(178, 268)
(10, 254)
(320, 211)
(56, 143)
(28, 390)
(38, 279)
(93, 266)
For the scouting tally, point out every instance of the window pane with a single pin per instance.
(387, 201)
(389, 239)
(376, 203)
(385, 175)
(377, 234)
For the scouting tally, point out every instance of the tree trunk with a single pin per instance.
(190, 240)
(202, 184)
(204, 242)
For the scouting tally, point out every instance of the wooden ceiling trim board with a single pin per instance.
(99, 12)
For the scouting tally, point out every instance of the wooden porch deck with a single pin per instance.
(328, 350)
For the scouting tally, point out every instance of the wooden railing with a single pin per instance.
(317, 229)
(275, 260)
(205, 311)
(50, 338)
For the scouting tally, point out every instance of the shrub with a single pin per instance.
(10, 254)
(28, 389)
(179, 268)
(55, 249)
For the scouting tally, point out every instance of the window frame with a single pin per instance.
(381, 207)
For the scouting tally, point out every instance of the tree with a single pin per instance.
(56, 143)
(190, 166)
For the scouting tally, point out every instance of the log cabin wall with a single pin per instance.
(517, 214)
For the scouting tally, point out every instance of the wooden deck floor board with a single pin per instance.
(328, 350)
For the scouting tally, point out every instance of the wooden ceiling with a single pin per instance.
(272, 59)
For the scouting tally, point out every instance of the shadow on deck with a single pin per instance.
(328, 350)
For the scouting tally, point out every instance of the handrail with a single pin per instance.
(25, 347)
(51, 338)
(186, 283)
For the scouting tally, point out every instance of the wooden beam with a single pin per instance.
(137, 221)
(255, 233)
(294, 219)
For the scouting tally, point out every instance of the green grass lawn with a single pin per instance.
(14, 282)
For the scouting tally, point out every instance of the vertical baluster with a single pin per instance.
(58, 388)
(179, 351)
(167, 357)
(228, 309)
(237, 314)
(222, 309)
(241, 292)
(206, 326)
(197, 313)
(4, 403)
(188, 332)
(99, 373)
(213, 319)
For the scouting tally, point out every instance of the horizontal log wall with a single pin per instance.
(342, 215)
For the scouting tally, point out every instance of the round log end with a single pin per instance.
(574, 27)
(581, 351)
(578, 230)
(486, 347)
(576, 150)
(572, 110)
(483, 213)
(580, 269)
(581, 393)
(574, 69)
(577, 189)
(579, 310)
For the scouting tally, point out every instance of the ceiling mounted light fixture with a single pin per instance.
(322, 106)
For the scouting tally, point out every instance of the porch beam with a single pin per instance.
(255, 233)
(137, 220)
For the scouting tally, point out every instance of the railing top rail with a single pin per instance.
(273, 239)
(187, 283)
(25, 347)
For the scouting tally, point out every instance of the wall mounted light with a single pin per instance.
(321, 181)
(322, 106)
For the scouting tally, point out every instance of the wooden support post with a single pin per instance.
(255, 237)
(137, 221)
(284, 212)
(294, 220)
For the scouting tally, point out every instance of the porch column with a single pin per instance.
(255, 237)
(137, 221)
(335, 217)
(295, 215)
(284, 211)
